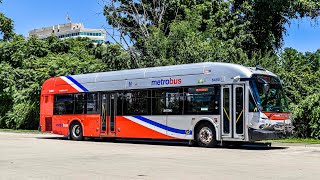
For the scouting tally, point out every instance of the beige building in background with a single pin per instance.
(70, 30)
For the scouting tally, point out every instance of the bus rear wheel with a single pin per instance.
(206, 135)
(76, 131)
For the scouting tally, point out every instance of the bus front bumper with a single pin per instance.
(259, 134)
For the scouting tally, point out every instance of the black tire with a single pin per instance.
(76, 132)
(206, 135)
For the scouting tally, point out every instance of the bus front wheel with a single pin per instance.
(76, 131)
(206, 135)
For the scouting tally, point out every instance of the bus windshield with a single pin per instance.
(269, 94)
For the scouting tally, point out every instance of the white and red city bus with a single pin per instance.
(204, 102)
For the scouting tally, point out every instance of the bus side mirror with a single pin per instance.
(266, 88)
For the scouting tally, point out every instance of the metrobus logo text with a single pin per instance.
(166, 81)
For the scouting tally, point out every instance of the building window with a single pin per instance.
(99, 41)
(89, 34)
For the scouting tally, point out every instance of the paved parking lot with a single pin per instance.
(46, 156)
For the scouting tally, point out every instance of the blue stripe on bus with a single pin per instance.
(178, 131)
(77, 83)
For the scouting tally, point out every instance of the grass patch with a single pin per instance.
(20, 131)
(297, 140)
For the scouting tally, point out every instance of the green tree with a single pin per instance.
(6, 26)
(265, 20)
(302, 84)
(6, 82)
(187, 43)
(269, 19)
(26, 64)
(206, 31)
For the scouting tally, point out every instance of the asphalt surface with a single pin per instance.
(46, 156)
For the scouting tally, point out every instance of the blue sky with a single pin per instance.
(33, 14)
(303, 34)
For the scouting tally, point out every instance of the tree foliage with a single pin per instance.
(300, 73)
(6, 26)
(264, 20)
(163, 32)
(248, 32)
(26, 64)
(269, 19)
(199, 32)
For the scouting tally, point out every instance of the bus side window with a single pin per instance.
(79, 103)
(63, 104)
(202, 100)
(136, 103)
(167, 101)
(120, 98)
(252, 104)
(92, 103)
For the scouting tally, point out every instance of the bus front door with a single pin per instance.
(232, 119)
(108, 114)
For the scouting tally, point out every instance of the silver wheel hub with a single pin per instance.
(205, 135)
(76, 131)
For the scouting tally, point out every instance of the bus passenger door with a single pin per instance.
(108, 104)
(226, 99)
(112, 113)
(232, 111)
(238, 111)
(104, 113)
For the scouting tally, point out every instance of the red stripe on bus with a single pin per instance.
(129, 129)
(277, 116)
